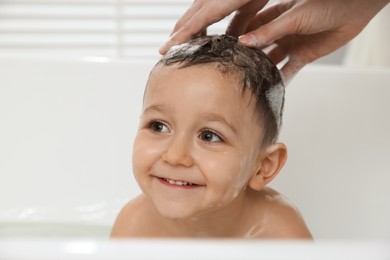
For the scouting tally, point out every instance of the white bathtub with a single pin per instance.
(66, 130)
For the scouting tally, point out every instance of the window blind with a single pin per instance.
(81, 28)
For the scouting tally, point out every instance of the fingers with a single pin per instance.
(266, 15)
(277, 54)
(290, 69)
(269, 25)
(186, 32)
(202, 33)
(187, 27)
(186, 16)
(200, 15)
(291, 65)
(243, 16)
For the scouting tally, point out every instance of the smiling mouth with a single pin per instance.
(184, 184)
(180, 183)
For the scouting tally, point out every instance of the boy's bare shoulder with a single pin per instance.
(280, 218)
(133, 219)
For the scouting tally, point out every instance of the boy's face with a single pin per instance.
(196, 127)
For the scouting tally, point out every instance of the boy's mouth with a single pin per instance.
(180, 183)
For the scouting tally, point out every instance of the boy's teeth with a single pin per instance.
(181, 183)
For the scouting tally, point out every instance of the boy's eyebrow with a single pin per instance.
(219, 118)
(157, 108)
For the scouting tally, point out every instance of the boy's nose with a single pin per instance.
(178, 153)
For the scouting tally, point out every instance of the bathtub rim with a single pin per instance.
(200, 249)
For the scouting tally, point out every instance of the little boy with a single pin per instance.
(206, 147)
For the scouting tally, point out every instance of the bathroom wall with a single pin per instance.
(336, 130)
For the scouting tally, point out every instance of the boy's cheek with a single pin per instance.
(221, 166)
(145, 151)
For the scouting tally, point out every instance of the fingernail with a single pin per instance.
(248, 40)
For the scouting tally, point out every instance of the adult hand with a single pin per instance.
(306, 30)
(302, 30)
(203, 13)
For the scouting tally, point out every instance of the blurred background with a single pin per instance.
(134, 29)
(66, 125)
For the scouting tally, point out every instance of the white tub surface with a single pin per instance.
(192, 249)
(45, 230)
(66, 131)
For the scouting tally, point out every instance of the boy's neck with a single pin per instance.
(225, 222)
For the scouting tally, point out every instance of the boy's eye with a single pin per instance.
(209, 136)
(159, 127)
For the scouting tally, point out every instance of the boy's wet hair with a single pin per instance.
(256, 71)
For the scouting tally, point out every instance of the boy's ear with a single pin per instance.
(269, 164)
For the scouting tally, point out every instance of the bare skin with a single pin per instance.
(303, 30)
(268, 216)
(198, 160)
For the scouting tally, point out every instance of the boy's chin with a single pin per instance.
(175, 211)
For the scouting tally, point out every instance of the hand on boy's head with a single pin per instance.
(199, 16)
(303, 30)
